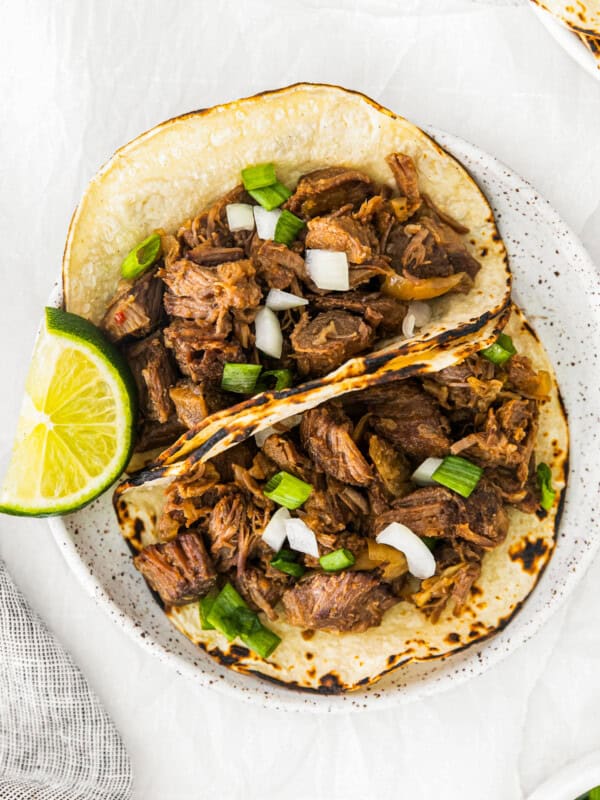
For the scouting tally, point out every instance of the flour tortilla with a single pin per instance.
(330, 662)
(172, 172)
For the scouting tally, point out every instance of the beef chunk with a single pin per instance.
(205, 293)
(199, 355)
(288, 458)
(392, 467)
(410, 419)
(379, 311)
(468, 385)
(328, 189)
(342, 234)
(507, 439)
(262, 592)
(405, 174)
(326, 342)
(326, 434)
(349, 601)
(277, 265)
(153, 374)
(136, 308)
(196, 401)
(234, 530)
(521, 376)
(437, 512)
(181, 570)
(208, 255)
(453, 245)
(157, 434)
(189, 501)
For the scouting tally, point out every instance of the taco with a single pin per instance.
(298, 237)
(398, 523)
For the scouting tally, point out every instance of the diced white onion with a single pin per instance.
(240, 217)
(422, 476)
(281, 301)
(268, 334)
(328, 269)
(408, 325)
(421, 312)
(274, 534)
(266, 221)
(419, 557)
(301, 537)
(283, 425)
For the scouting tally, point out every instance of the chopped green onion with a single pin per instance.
(499, 352)
(287, 555)
(289, 567)
(274, 380)
(222, 614)
(339, 559)
(287, 490)
(240, 378)
(258, 176)
(287, 228)
(141, 257)
(458, 474)
(429, 541)
(544, 479)
(231, 616)
(206, 603)
(271, 197)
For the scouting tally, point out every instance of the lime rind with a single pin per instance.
(84, 438)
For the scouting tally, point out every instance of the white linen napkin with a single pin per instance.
(56, 740)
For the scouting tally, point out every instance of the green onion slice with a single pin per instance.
(289, 567)
(287, 228)
(141, 257)
(499, 352)
(231, 616)
(544, 479)
(274, 380)
(429, 541)
(258, 176)
(240, 378)
(287, 490)
(206, 604)
(339, 559)
(458, 474)
(271, 197)
(287, 555)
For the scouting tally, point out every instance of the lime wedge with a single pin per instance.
(75, 430)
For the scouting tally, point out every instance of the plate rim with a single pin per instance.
(479, 657)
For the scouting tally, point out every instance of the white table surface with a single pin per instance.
(77, 80)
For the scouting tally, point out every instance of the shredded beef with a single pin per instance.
(452, 584)
(208, 255)
(326, 434)
(469, 385)
(152, 435)
(195, 401)
(153, 374)
(326, 342)
(521, 376)
(378, 310)
(277, 265)
(234, 530)
(409, 418)
(199, 355)
(180, 571)
(391, 466)
(328, 189)
(349, 601)
(136, 308)
(262, 592)
(405, 174)
(283, 452)
(507, 439)
(345, 234)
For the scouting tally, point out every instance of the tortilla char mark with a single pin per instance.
(530, 553)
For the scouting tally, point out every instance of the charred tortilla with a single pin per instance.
(325, 661)
(178, 169)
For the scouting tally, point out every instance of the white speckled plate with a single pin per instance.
(568, 40)
(557, 286)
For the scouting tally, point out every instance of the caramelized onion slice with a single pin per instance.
(403, 288)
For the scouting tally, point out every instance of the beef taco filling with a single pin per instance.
(394, 493)
(268, 288)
